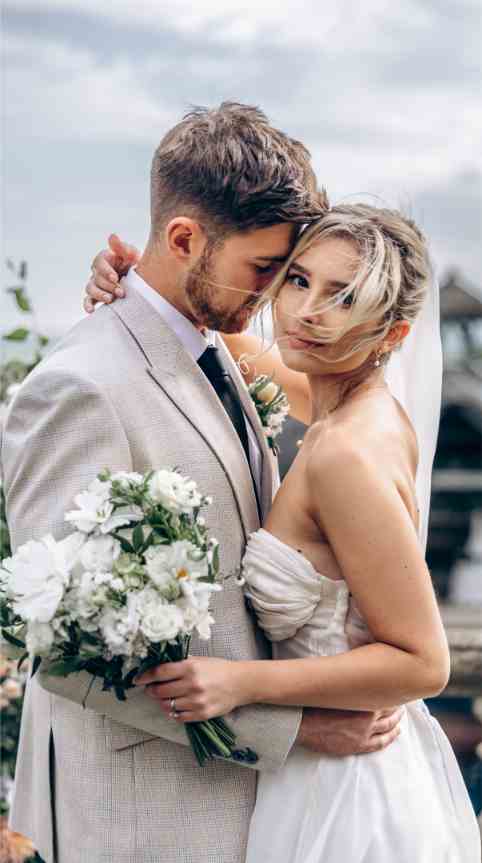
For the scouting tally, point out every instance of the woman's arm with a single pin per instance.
(104, 287)
(373, 538)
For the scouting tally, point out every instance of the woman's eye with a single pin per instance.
(266, 269)
(298, 281)
(347, 301)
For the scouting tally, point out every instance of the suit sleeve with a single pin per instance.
(61, 431)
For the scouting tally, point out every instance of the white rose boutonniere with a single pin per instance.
(272, 405)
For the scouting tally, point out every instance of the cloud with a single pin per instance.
(73, 95)
(384, 95)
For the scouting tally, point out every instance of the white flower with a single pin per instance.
(119, 627)
(94, 507)
(203, 626)
(40, 638)
(175, 492)
(195, 617)
(39, 573)
(198, 593)
(161, 621)
(176, 562)
(99, 553)
(127, 478)
(122, 515)
(267, 393)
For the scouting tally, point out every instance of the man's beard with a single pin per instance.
(201, 289)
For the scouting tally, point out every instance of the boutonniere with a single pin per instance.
(272, 405)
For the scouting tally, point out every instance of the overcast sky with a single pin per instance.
(386, 96)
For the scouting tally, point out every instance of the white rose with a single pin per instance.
(161, 621)
(39, 573)
(40, 638)
(175, 492)
(99, 553)
(267, 393)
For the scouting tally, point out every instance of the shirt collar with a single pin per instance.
(194, 341)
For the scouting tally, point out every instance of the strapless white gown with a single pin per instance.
(407, 804)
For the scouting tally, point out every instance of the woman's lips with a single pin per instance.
(297, 344)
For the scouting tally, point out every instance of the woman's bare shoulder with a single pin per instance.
(368, 443)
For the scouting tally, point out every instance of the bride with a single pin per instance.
(337, 575)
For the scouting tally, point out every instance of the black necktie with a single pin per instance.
(217, 375)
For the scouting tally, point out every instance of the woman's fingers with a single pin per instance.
(100, 291)
(105, 266)
(162, 691)
(127, 254)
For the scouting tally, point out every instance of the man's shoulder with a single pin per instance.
(93, 350)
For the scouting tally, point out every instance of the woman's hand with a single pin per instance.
(107, 267)
(202, 686)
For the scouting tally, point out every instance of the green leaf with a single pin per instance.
(215, 563)
(125, 545)
(18, 335)
(11, 639)
(64, 667)
(36, 664)
(21, 661)
(43, 341)
(138, 537)
(23, 301)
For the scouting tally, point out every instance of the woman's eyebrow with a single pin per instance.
(337, 286)
(296, 266)
(277, 259)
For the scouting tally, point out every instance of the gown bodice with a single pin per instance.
(302, 611)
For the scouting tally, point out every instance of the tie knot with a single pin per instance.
(211, 364)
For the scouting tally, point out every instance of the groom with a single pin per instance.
(134, 387)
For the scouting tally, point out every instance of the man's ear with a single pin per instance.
(185, 239)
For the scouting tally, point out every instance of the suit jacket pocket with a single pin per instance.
(120, 736)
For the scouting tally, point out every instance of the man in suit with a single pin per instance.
(141, 384)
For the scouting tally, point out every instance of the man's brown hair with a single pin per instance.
(232, 171)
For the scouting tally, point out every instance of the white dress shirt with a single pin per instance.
(195, 343)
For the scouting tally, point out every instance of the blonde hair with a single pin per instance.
(392, 276)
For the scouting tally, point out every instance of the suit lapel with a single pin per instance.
(181, 379)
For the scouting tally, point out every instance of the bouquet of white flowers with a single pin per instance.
(272, 405)
(124, 592)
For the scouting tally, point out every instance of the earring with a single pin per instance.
(378, 361)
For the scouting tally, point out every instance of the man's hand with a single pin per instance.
(107, 266)
(348, 732)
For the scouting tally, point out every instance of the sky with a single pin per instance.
(386, 96)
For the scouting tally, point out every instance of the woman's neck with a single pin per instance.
(328, 392)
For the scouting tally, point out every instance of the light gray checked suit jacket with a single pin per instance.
(113, 782)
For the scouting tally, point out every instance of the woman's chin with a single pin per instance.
(300, 361)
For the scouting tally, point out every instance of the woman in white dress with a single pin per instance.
(337, 575)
